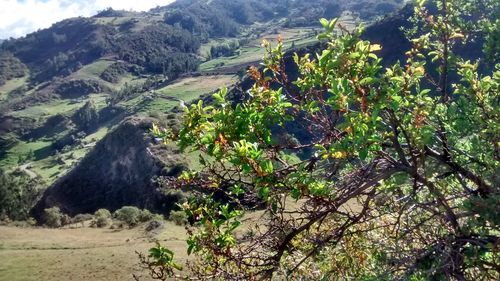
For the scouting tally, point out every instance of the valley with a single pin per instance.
(86, 107)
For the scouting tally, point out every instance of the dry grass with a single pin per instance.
(81, 253)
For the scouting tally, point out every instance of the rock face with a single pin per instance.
(118, 172)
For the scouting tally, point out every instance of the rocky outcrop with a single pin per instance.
(118, 172)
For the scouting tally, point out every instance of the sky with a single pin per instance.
(20, 17)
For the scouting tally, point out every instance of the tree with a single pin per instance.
(87, 117)
(402, 183)
(102, 218)
(53, 217)
(18, 194)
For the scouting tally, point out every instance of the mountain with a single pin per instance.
(119, 171)
(76, 98)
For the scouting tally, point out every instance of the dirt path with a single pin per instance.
(26, 169)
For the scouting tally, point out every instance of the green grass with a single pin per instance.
(46, 164)
(187, 89)
(94, 70)
(247, 55)
(40, 148)
(57, 107)
(253, 52)
(97, 68)
(11, 85)
(47, 170)
(96, 136)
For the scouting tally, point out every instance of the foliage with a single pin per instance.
(114, 72)
(18, 194)
(160, 262)
(10, 67)
(53, 217)
(132, 216)
(402, 183)
(179, 217)
(102, 218)
(81, 218)
(226, 49)
(87, 117)
(160, 49)
(78, 88)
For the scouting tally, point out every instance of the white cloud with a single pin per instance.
(19, 17)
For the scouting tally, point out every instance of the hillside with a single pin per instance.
(65, 88)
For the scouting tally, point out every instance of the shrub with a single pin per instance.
(132, 216)
(129, 215)
(81, 218)
(420, 137)
(145, 215)
(18, 194)
(65, 219)
(102, 218)
(53, 217)
(178, 217)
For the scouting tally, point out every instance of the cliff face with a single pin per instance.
(118, 172)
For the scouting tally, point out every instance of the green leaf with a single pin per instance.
(267, 166)
(324, 22)
(296, 193)
(367, 81)
(264, 193)
(363, 153)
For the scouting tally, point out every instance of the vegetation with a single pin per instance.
(161, 49)
(114, 72)
(226, 49)
(132, 216)
(178, 217)
(18, 194)
(398, 180)
(53, 217)
(102, 218)
(78, 88)
(87, 117)
(123, 58)
(10, 67)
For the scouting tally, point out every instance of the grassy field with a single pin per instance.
(23, 149)
(82, 253)
(57, 107)
(11, 85)
(187, 89)
(94, 70)
(253, 52)
(191, 88)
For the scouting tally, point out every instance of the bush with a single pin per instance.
(18, 194)
(81, 218)
(53, 217)
(178, 217)
(102, 218)
(132, 216)
(145, 215)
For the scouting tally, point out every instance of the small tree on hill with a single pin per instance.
(402, 182)
(87, 117)
(18, 194)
